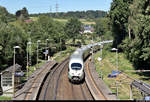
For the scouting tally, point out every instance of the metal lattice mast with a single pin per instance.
(57, 8)
(50, 11)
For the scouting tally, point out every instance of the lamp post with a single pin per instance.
(49, 57)
(92, 48)
(13, 73)
(38, 51)
(28, 43)
(30, 49)
(101, 47)
(46, 48)
(114, 49)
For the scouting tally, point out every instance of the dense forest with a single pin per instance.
(90, 14)
(130, 22)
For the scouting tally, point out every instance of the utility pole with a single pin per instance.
(56, 8)
(50, 11)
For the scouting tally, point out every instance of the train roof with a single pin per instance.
(76, 58)
(77, 55)
(79, 52)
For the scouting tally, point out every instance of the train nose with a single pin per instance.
(76, 78)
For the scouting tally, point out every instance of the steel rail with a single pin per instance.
(57, 83)
(81, 87)
(100, 93)
(52, 72)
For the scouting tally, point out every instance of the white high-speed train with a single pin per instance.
(76, 63)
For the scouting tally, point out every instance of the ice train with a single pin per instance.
(76, 63)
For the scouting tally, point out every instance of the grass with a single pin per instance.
(61, 20)
(33, 68)
(108, 64)
(34, 18)
(84, 21)
(60, 56)
(5, 98)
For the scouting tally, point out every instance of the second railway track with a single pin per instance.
(96, 92)
(36, 82)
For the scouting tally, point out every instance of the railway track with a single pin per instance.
(53, 77)
(95, 91)
(58, 87)
(34, 83)
(143, 87)
(31, 88)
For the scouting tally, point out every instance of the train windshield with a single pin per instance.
(76, 66)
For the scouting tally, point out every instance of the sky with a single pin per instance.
(45, 6)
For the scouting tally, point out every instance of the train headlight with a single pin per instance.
(72, 74)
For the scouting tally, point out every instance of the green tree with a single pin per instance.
(11, 36)
(138, 46)
(119, 14)
(46, 28)
(3, 14)
(22, 14)
(102, 26)
(73, 28)
(25, 12)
